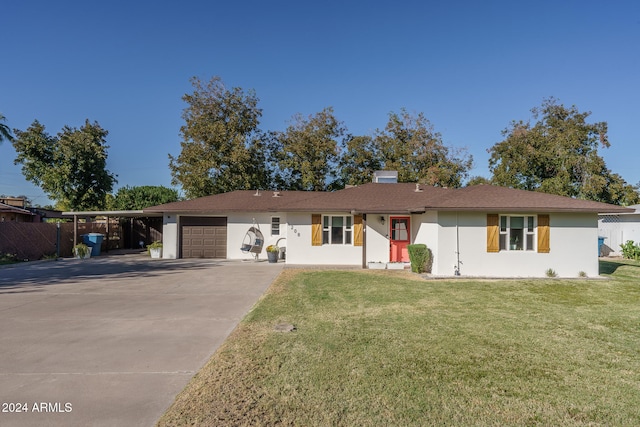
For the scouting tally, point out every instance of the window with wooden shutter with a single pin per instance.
(316, 230)
(543, 234)
(493, 233)
(357, 230)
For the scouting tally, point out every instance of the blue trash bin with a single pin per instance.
(94, 241)
(600, 244)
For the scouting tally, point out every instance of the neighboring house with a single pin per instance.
(616, 229)
(18, 202)
(13, 213)
(480, 230)
(47, 215)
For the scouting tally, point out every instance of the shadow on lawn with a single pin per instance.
(610, 266)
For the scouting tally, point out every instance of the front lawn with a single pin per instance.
(375, 349)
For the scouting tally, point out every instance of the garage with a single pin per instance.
(203, 237)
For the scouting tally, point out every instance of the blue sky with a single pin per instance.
(471, 67)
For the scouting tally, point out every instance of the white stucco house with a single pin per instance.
(479, 230)
(617, 228)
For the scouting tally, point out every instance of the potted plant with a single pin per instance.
(82, 251)
(272, 253)
(155, 249)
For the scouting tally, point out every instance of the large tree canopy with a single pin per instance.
(140, 197)
(558, 155)
(409, 145)
(306, 154)
(221, 147)
(360, 159)
(70, 167)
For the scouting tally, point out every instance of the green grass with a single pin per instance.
(375, 349)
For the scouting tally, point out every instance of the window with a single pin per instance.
(337, 230)
(400, 229)
(517, 233)
(275, 225)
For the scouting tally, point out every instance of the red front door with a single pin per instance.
(400, 235)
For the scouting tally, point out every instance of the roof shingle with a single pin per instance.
(388, 198)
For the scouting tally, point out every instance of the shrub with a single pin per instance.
(551, 273)
(419, 255)
(81, 250)
(630, 250)
(155, 245)
(6, 258)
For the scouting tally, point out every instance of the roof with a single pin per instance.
(246, 201)
(496, 198)
(381, 198)
(632, 210)
(387, 198)
(123, 214)
(13, 209)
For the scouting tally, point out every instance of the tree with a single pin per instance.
(360, 160)
(5, 132)
(478, 180)
(69, 167)
(221, 149)
(136, 198)
(558, 155)
(409, 145)
(307, 152)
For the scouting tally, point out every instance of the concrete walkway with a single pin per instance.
(111, 340)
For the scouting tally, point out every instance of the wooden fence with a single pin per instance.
(32, 241)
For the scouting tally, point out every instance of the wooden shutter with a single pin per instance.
(357, 230)
(316, 230)
(493, 233)
(543, 234)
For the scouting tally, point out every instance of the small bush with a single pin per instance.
(81, 251)
(551, 273)
(419, 255)
(155, 245)
(630, 250)
(8, 258)
(582, 274)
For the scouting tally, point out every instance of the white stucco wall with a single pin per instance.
(239, 224)
(573, 248)
(377, 238)
(425, 230)
(169, 237)
(300, 250)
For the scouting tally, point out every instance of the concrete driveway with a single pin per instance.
(111, 340)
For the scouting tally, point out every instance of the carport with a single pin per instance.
(130, 215)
